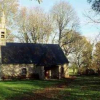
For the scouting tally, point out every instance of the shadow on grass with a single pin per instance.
(35, 83)
(39, 95)
(82, 88)
(9, 89)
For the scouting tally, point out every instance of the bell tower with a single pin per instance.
(2, 33)
(2, 36)
(3, 30)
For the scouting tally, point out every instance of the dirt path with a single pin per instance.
(51, 93)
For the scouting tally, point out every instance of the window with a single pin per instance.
(24, 71)
(2, 32)
(2, 36)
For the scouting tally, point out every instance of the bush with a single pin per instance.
(87, 72)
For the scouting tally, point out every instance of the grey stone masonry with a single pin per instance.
(41, 73)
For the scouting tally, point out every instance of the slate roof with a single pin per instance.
(30, 53)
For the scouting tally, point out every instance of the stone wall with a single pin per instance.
(66, 70)
(39, 70)
(15, 70)
(55, 72)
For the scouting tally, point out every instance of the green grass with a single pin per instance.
(9, 89)
(82, 88)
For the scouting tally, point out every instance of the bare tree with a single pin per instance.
(64, 18)
(34, 25)
(10, 8)
(21, 23)
(93, 16)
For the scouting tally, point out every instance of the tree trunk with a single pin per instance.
(26, 37)
(60, 31)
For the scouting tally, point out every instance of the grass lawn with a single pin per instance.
(81, 88)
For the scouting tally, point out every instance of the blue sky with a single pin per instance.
(80, 6)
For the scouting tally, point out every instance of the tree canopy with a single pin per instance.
(95, 5)
(39, 1)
